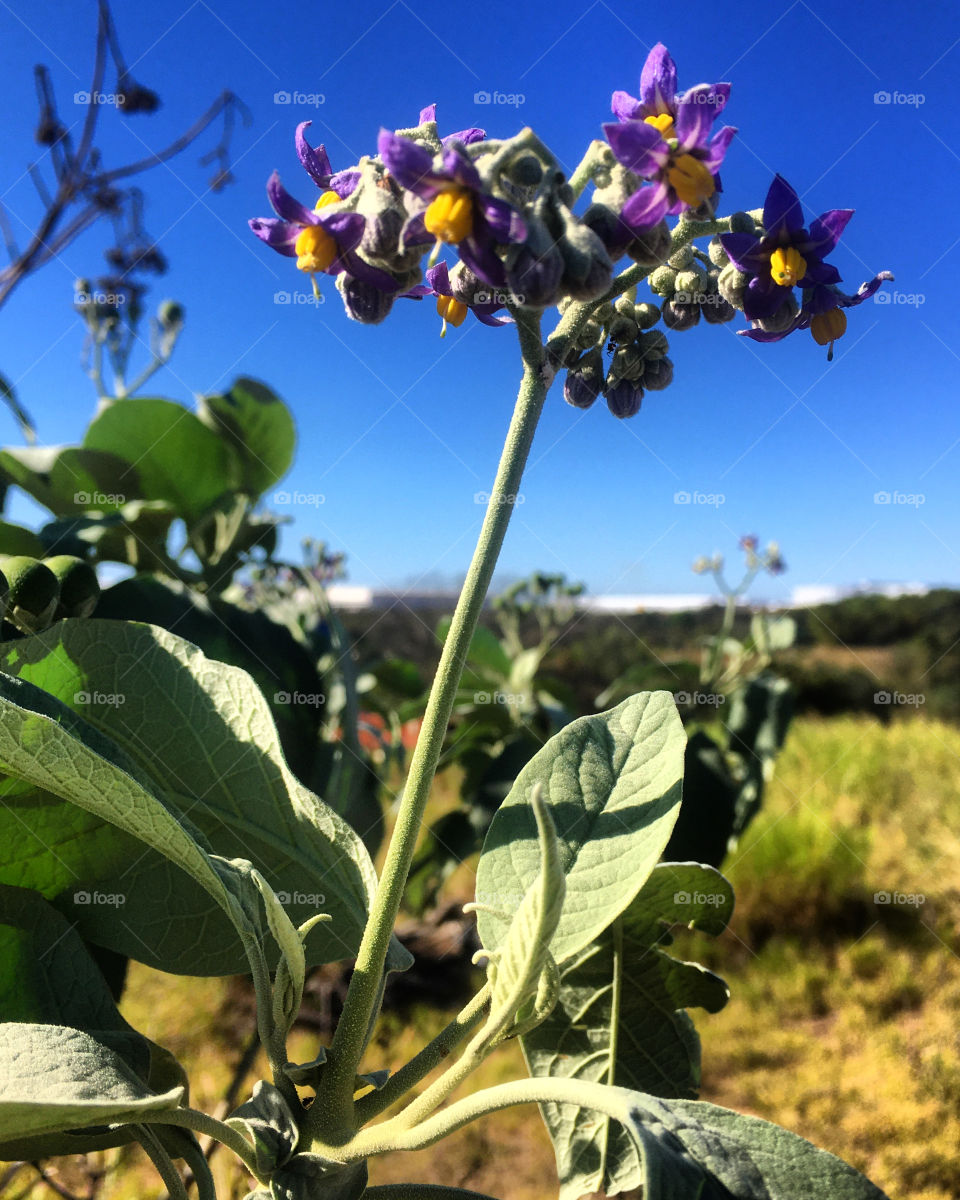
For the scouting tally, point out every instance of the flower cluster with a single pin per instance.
(506, 210)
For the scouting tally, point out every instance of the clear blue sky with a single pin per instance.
(399, 429)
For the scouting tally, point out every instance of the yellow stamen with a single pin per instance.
(662, 122)
(326, 200)
(827, 326)
(449, 216)
(691, 180)
(787, 266)
(315, 248)
(452, 311)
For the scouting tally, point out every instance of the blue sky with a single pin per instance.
(398, 429)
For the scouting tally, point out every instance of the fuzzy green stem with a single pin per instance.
(598, 157)
(200, 1122)
(428, 1059)
(333, 1108)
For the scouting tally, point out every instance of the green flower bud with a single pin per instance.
(652, 247)
(646, 315)
(657, 374)
(627, 363)
(587, 266)
(622, 330)
(680, 316)
(663, 281)
(716, 253)
(79, 586)
(33, 593)
(732, 285)
(692, 280)
(682, 259)
(624, 304)
(653, 344)
(170, 314)
(742, 222)
(590, 334)
(783, 318)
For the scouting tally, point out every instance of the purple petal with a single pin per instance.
(717, 148)
(354, 265)
(439, 279)
(819, 273)
(459, 168)
(646, 207)
(482, 261)
(344, 182)
(284, 204)
(465, 136)
(505, 223)
(427, 114)
(483, 313)
(279, 235)
(825, 231)
(866, 290)
(345, 228)
(781, 210)
(721, 92)
(745, 252)
(415, 233)
(626, 107)
(417, 292)
(411, 165)
(658, 81)
(638, 146)
(762, 335)
(694, 117)
(315, 162)
(762, 298)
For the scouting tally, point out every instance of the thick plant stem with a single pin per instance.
(334, 1104)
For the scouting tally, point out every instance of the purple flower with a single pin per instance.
(317, 165)
(465, 136)
(320, 242)
(457, 209)
(790, 255)
(453, 306)
(665, 138)
(658, 91)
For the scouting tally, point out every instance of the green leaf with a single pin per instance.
(259, 428)
(772, 634)
(69, 480)
(612, 783)
(197, 735)
(708, 817)
(136, 534)
(177, 457)
(486, 650)
(56, 1079)
(620, 1017)
(14, 539)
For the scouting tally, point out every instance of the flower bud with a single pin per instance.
(680, 316)
(742, 222)
(653, 344)
(584, 380)
(701, 565)
(651, 247)
(717, 255)
(79, 586)
(657, 374)
(646, 315)
(783, 318)
(692, 280)
(590, 334)
(362, 301)
(587, 266)
(622, 330)
(606, 224)
(535, 268)
(682, 259)
(624, 398)
(627, 363)
(33, 593)
(716, 310)
(732, 285)
(170, 314)
(662, 281)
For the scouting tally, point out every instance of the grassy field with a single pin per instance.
(845, 1009)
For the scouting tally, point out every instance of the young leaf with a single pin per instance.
(217, 761)
(620, 1018)
(57, 1079)
(258, 427)
(612, 783)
